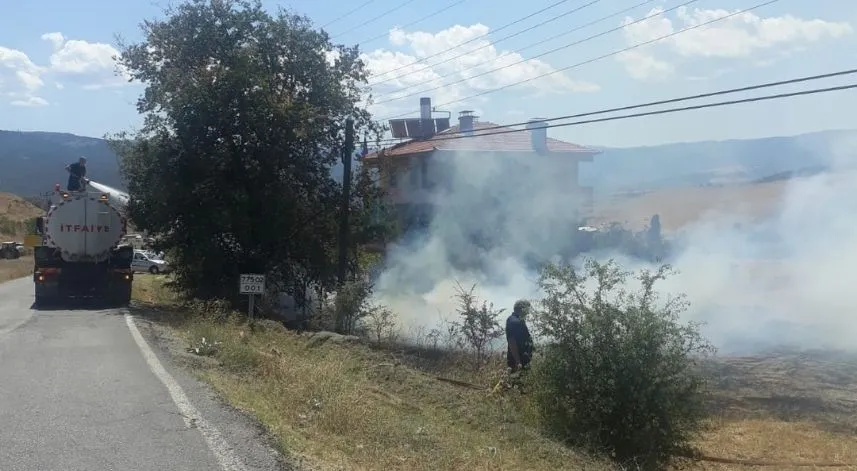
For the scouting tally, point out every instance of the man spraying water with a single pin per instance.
(77, 175)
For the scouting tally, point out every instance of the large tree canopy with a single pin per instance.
(244, 118)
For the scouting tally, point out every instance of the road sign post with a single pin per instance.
(251, 284)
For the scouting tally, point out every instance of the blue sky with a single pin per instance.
(64, 82)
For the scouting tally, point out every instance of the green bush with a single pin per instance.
(478, 324)
(619, 372)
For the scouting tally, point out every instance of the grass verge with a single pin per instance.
(338, 405)
(14, 269)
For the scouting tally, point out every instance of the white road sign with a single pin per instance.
(252, 284)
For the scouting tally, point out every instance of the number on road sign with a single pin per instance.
(252, 284)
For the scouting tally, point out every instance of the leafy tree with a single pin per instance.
(620, 371)
(244, 118)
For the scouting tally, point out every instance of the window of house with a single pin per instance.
(393, 178)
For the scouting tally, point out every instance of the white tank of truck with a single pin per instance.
(85, 226)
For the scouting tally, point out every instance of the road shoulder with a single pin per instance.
(246, 435)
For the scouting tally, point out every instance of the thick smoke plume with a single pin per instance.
(787, 279)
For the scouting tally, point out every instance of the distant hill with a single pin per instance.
(715, 162)
(34, 161)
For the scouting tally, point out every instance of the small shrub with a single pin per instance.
(349, 305)
(204, 347)
(618, 373)
(478, 325)
(380, 322)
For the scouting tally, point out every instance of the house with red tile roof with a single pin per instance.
(410, 179)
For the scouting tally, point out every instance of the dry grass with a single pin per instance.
(782, 445)
(333, 406)
(785, 407)
(16, 208)
(14, 269)
(679, 207)
(337, 406)
(14, 211)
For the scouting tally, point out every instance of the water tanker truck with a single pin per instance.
(77, 249)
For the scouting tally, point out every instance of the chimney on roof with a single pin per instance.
(425, 108)
(538, 134)
(426, 123)
(465, 121)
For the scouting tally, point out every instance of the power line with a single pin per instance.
(412, 23)
(666, 111)
(564, 33)
(394, 9)
(566, 46)
(538, 43)
(552, 5)
(684, 98)
(620, 51)
(362, 5)
(537, 25)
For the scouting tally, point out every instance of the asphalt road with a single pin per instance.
(86, 390)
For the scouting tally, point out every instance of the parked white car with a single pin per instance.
(149, 263)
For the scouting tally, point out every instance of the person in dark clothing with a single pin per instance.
(77, 175)
(520, 342)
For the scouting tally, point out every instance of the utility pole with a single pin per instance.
(347, 156)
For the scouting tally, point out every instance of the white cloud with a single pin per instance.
(82, 57)
(89, 65)
(20, 78)
(477, 57)
(93, 64)
(56, 38)
(741, 36)
(30, 102)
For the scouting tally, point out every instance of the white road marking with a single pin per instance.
(215, 441)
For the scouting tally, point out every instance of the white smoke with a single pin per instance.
(788, 279)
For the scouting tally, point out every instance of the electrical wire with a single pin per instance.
(614, 53)
(565, 46)
(412, 23)
(728, 91)
(657, 112)
(552, 5)
(493, 43)
(362, 5)
(394, 9)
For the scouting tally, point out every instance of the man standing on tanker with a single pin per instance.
(76, 175)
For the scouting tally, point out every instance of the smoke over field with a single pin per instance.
(783, 279)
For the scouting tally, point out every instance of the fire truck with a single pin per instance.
(78, 251)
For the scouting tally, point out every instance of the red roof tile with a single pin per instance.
(508, 142)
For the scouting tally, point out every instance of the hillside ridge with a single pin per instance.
(36, 160)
